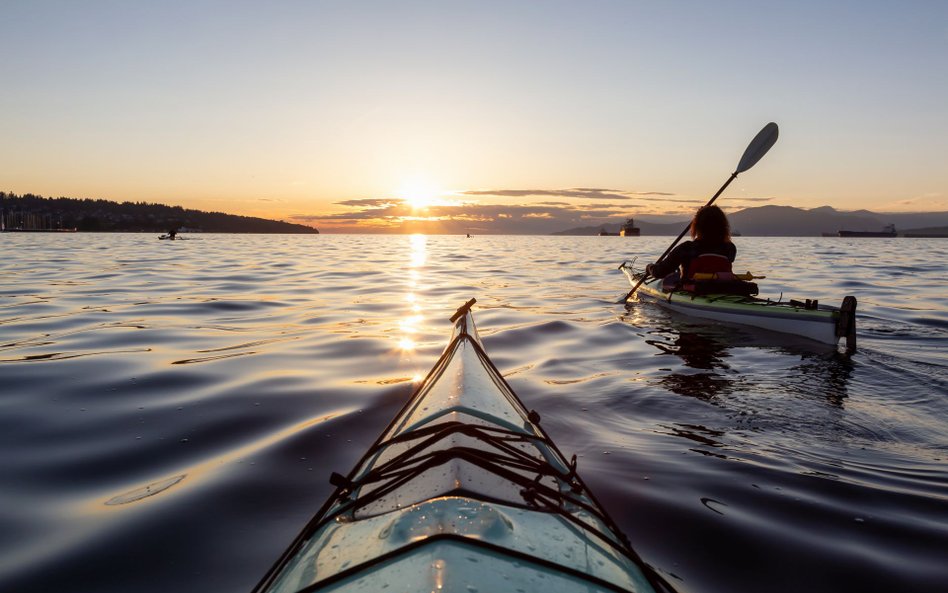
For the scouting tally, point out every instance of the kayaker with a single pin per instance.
(710, 249)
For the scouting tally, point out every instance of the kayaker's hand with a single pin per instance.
(648, 270)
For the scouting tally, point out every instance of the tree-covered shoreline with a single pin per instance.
(32, 212)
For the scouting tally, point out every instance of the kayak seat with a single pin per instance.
(710, 283)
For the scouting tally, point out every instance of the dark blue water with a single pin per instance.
(170, 411)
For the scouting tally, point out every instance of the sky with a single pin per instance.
(358, 116)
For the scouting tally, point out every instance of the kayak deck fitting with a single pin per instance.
(462, 492)
(821, 323)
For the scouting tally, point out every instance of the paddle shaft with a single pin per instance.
(683, 233)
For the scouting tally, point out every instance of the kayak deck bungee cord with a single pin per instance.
(822, 323)
(463, 492)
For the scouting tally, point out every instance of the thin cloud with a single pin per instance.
(583, 193)
(368, 202)
(395, 215)
(495, 218)
(752, 199)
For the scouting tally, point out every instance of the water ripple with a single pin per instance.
(175, 411)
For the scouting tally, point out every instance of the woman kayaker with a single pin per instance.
(710, 249)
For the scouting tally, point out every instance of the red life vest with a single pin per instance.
(708, 263)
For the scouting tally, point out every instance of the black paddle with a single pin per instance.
(755, 151)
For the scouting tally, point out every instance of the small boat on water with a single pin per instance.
(888, 231)
(629, 229)
(464, 491)
(808, 319)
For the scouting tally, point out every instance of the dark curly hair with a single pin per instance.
(710, 224)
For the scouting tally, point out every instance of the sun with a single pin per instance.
(419, 195)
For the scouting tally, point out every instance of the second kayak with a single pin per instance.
(462, 492)
(821, 323)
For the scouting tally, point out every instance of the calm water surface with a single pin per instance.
(170, 411)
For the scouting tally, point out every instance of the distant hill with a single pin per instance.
(31, 211)
(787, 221)
(940, 231)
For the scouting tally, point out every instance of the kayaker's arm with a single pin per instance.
(731, 249)
(684, 253)
(666, 266)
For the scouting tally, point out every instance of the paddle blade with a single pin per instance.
(758, 147)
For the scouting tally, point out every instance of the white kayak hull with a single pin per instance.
(823, 324)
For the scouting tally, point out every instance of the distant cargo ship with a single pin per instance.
(629, 229)
(888, 231)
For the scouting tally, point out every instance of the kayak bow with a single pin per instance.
(462, 492)
(821, 323)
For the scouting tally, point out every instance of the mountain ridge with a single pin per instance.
(790, 221)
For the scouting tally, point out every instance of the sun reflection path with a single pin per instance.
(409, 325)
(419, 251)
